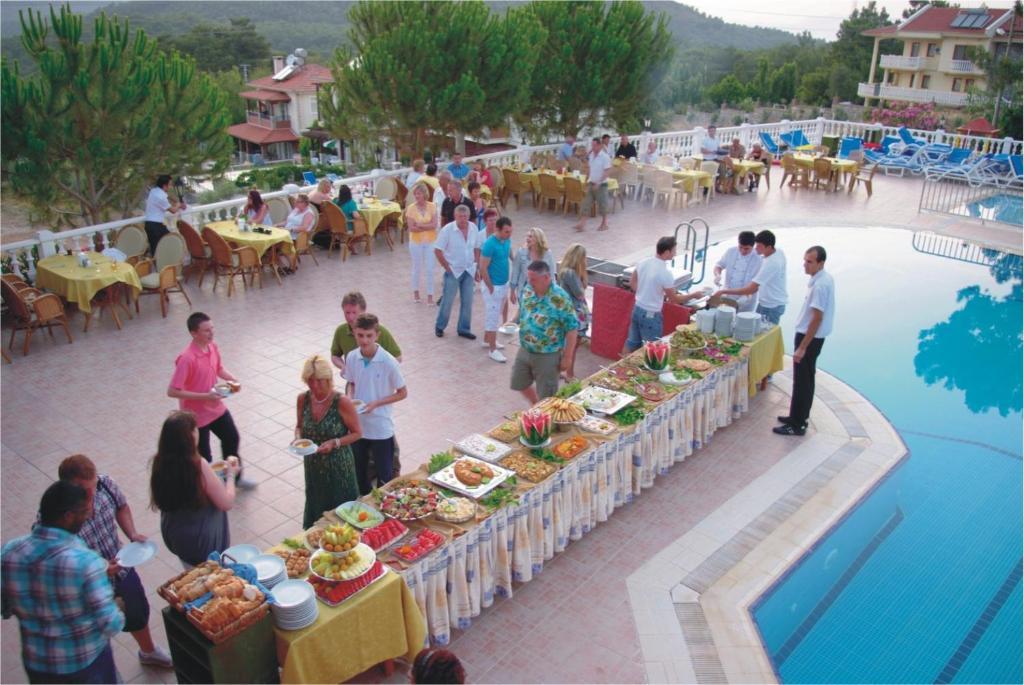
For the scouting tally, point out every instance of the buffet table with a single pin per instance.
(454, 583)
(380, 623)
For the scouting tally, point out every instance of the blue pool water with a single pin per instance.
(921, 582)
(1006, 208)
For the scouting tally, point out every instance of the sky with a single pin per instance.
(820, 17)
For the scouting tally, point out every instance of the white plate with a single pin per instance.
(669, 378)
(223, 392)
(483, 447)
(243, 554)
(508, 329)
(446, 479)
(135, 553)
(292, 594)
(602, 400)
(303, 451)
(590, 423)
(268, 566)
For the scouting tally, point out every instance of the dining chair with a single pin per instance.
(31, 310)
(710, 168)
(796, 173)
(401, 192)
(574, 194)
(616, 195)
(132, 241)
(360, 234)
(664, 186)
(550, 192)
(303, 245)
(865, 175)
(279, 209)
(16, 281)
(513, 186)
(822, 177)
(161, 275)
(385, 189)
(499, 185)
(198, 251)
(629, 180)
(240, 261)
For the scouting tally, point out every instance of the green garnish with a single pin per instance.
(499, 497)
(569, 389)
(547, 455)
(629, 416)
(439, 461)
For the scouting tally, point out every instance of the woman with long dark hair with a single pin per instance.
(192, 499)
(255, 208)
(348, 206)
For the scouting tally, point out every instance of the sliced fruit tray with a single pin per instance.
(419, 545)
(334, 593)
(387, 533)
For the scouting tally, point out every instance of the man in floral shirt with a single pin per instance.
(547, 326)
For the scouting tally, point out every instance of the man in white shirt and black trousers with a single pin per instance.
(813, 326)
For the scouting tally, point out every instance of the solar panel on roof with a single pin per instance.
(958, 21)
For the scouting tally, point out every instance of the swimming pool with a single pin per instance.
(1006, 208)
(921, 581)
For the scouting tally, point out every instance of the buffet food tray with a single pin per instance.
(483, 447)
(602, 400)
(446, 479)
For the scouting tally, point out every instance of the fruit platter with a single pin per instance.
(562, 411)
(596, 425)
(570, 448)
(333, 567)
(422, 543)
(528, 468)
(358, 514)
(456, 509)
(385, 534)
(339, 538)
(333, 593)
(535, 428)
(470, 477)
(656, 355)
(409, 503)
(482, 447)
(602, 400)
(506, 432)
(296, 561)
(688, 339)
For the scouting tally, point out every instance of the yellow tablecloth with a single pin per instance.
(375, 212)
(533, 178)
(381, 622)
(691, 178)
(843, 165)
(261, 241)
(62, 275)
(766, 351)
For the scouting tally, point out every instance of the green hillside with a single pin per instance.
(321, 26)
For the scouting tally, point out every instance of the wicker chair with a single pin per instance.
(279, 208)
(822, 174)
(550, 192)
(240, 261)
(513, 186)
(132, 241)
(160, 275)
(401, 192)
(347, 241)
(31, 310)
(303, 245)
(499, 185)
(198, 250)
(385, 188)
(574, 194)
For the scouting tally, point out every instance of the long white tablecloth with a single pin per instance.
(453, 584)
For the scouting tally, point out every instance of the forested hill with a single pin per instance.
(321, 26)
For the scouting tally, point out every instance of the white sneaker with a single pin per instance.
(497, 356)
(498, 345)
(158, 657)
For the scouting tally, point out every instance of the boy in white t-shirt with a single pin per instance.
(374, 377)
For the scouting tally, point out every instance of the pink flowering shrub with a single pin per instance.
(911, 115)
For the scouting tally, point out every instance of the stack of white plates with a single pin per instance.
(295, 605)
(706, 320)
(724, 317)
(270, 569)
(241, 554)
(746, 326)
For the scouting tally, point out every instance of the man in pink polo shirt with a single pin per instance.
(196, 371)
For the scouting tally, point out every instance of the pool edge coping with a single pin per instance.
(691, 602)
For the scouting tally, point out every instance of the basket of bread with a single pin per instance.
(218, 601)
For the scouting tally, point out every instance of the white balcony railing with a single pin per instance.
(964, 66)
(23, 254)
(884, 92)
(901, 62)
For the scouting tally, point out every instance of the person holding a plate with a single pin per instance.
(329, 419)
(110, 511)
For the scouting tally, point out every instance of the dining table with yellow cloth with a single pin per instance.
(765, 358)
(839, 166)
(691, 178)
(278, 238)
(62, 275)
(375, 211)
(533, 179)
(379, 623)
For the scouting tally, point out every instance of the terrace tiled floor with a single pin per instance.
(104, 396)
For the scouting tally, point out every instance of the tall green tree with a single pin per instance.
(217, 47)
(853, 49)
(601, 64)
(100, 119)
(415, 67)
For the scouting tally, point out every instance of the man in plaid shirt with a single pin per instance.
(109, 510)
(59, 591)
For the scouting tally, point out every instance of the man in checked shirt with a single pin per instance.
(58, 589)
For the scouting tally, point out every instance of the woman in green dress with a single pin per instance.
(329, 419)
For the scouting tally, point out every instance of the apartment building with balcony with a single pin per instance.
(278, 109)
(935, 64)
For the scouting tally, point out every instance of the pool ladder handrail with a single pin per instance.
(691, 251)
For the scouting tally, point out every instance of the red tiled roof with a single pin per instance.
(265, 95)
(938, 20)
(979, 126)
(302, 81)
(260, 135)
